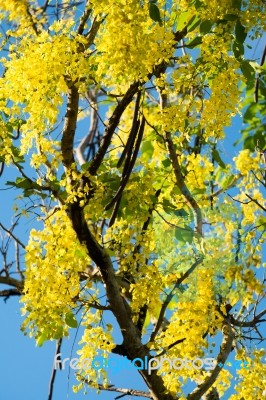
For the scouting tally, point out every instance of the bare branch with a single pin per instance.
(245, 324)
(84, 19)
(126, 392)
(54, 370)
(126, 174)
(8, 293)
(9, 232)
(112, 125)
(7, 280)
(256, 202)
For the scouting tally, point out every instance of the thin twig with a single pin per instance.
(12, 235)
(54, 370)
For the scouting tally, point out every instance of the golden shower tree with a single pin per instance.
(113, 116)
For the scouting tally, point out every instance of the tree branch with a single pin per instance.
(80, 150)
(122, 311)
(256, 202)
(126, 392)
(7, 280)
(246, 324)
(125, 177)
(69, 129)
(9, 231)
(84, 18)
(54, 370)
(110, 128)
(8, 293)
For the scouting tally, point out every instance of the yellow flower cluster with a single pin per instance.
(97, 343)
(223, 103)
(247, 161)
(199, 169)
(252, 382)
(36, 78)
(5, 144)
(18, 11)
(54, 260)
(129, 43)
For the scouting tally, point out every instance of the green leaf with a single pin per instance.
(257, 140)
(230, 17)
(184, 235)
(240, 32)
(194, 42)
(238, 4)
(217, 158)
(183, 20)
(181, 213)
(154, 13)
(168, 207)
(71, 320)
(80, 253)
(199, 190)
(41, 339)
(238, 49)
(166, 163)
(16, 154)
(227, 180)
(193, 23)
(86, 166)
(205, 26)
(197, 4)
(147, 149)
(58, 334)
(22, 183)
(261, 223)
(247, 70)
(250, 112)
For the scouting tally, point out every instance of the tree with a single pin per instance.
(113, 116)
